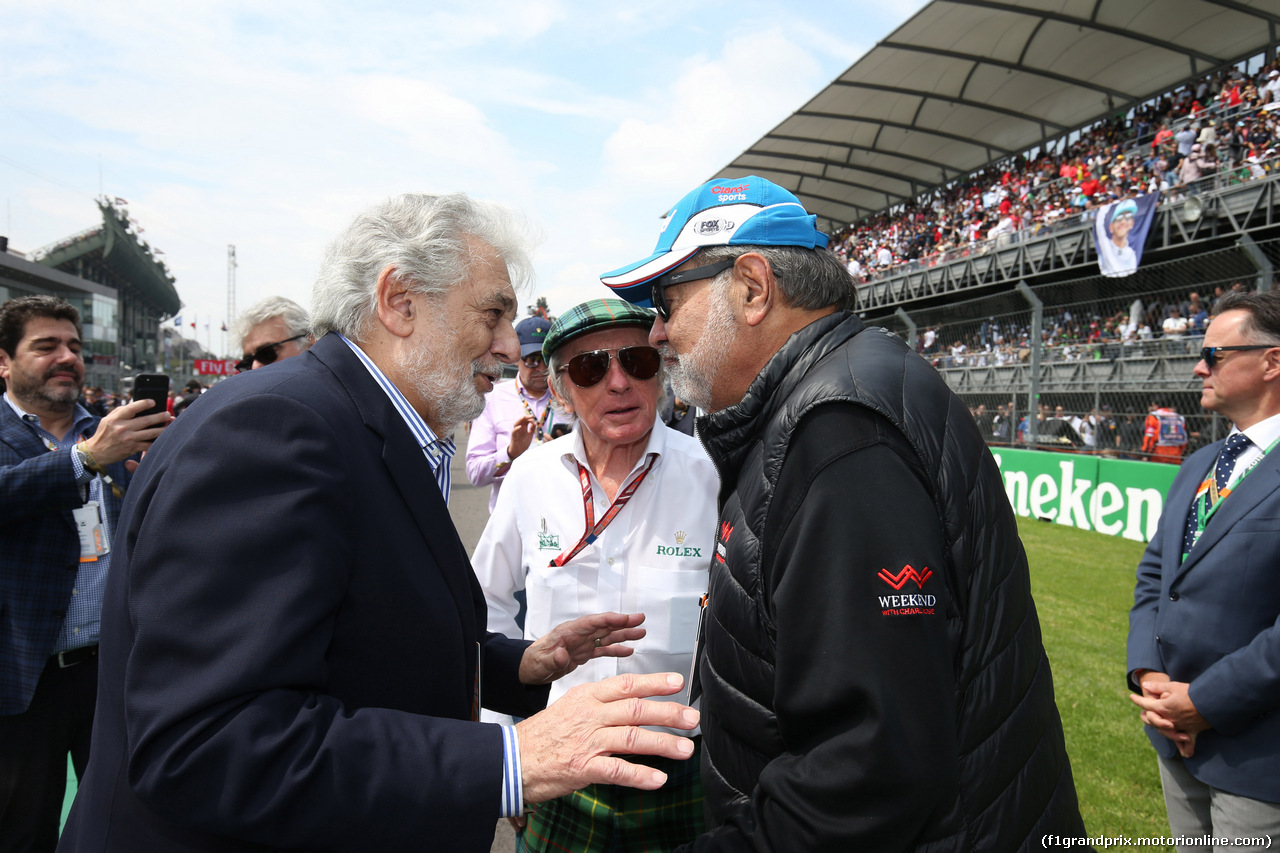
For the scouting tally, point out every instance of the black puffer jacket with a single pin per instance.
(872, 670)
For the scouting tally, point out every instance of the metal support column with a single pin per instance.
(902, 315)
(1033, 384)
(1266, 272)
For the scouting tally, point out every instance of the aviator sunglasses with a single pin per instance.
(1209, 355)
(588, 368)
(264, 354)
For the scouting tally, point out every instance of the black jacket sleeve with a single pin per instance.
(853, 560)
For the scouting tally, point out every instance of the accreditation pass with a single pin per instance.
(92, 532)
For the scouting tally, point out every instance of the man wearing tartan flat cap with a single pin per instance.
(620, 513)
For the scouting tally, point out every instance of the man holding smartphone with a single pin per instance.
(62, 477)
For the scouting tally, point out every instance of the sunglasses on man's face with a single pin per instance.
(264, 354)
(588, 368)
(534, 361)
(658, 287)
(1209, 355)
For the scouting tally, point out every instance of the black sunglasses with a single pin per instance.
(658, 286)
(588, 368)
(1209, 355)
(264, 354)
(533, 360)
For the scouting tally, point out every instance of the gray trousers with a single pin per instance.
(1197, 810)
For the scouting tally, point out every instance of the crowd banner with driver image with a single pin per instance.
(1120, 231)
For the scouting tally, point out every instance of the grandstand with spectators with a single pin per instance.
(961, 164)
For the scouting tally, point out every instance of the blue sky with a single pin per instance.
(267, 125)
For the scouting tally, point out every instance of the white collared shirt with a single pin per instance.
(1261, 436)
(653, 558)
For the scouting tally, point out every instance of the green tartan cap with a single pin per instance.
(592, 316)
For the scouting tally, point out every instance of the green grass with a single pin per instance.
(1083, 587)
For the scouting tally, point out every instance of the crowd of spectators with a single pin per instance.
(1100, 430)
(1225, 126)
(1156, 325)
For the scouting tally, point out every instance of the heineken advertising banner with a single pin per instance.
(1119, 497)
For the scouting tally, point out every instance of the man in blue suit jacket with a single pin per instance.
(294, 646)
(1204, 632)
(53, 458)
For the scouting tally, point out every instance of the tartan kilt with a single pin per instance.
(617, 819)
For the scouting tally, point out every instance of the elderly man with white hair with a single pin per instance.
(306, 671)
(618, 515)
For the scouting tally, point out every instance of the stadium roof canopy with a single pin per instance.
(115, 255)
(967, 82)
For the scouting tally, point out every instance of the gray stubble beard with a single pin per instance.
(694, 374)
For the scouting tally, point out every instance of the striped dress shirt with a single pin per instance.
(439, 453)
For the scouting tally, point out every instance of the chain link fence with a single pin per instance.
(1078, 365)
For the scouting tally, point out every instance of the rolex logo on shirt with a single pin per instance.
(676, 550)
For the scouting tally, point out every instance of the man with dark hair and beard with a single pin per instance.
(869, 661)
(294, 648)
(61, 479)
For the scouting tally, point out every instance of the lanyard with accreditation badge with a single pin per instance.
(593, 530)
(1206, 509)
(541, 422)
(89, 527)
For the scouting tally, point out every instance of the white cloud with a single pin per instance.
(501, 21)
(269, 125)
(715, 109)
(670, 140)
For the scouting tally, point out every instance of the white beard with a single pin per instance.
(449, 389)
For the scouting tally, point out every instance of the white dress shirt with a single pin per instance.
(1261, 436)
(653, 558)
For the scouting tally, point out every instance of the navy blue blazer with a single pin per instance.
(291, 638)
(39, 552)
(1214, 622)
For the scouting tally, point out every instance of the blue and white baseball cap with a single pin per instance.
(748, 211)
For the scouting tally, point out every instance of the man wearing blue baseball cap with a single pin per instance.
(870, 666)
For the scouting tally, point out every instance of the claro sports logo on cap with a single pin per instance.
(728, 194)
